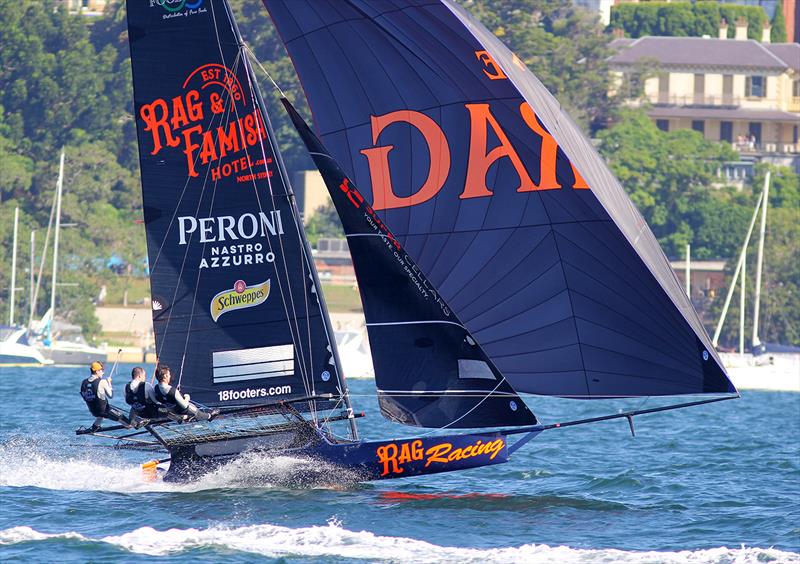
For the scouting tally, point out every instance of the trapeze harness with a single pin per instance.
(139, 402)
(97, 406)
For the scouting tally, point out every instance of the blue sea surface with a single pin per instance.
(715, 483)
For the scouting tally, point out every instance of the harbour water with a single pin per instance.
(717, 483)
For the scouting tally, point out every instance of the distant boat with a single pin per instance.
(521, 278)
(767, 366)
(14, 350)
(14, 347)
(354, 353)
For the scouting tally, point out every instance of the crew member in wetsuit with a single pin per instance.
(96, 392)
(174, 401)
(141, 396)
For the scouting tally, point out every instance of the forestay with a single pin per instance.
(235, 306)
(504, 205)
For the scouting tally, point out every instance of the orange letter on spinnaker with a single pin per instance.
(383, 193)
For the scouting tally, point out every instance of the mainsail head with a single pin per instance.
(502, 203)
(236, 307)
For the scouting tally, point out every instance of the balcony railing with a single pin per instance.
(723, 100)
(765, 148)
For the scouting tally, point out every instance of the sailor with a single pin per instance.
(141, 396)
(96, 392)
(174, 401)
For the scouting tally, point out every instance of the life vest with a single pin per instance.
(139, 401)
(89, 393)
(130, 395)
(167, 399)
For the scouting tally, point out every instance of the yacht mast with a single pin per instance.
(13, 270)
(760, 260)
(59, 188)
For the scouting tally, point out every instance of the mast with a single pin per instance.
(13, 269)
(760, 259)
(30, 289)
(741, 305)
(298, 220)
(59, 188)
(739, 265)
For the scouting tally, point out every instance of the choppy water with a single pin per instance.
(717, 483)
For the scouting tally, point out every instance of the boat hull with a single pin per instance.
(359, 461)
(73, 356)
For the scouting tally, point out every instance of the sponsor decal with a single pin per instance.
(393, 456)
(250, 393)
(179, 8)
(483, 152)
(409, 267)
(212, 123)
(241, 296)
(231, 240)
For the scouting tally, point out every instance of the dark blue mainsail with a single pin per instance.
(235, 302)
(503, 204)
(429, 370)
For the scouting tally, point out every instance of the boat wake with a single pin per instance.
(39, 464)
(335, 542)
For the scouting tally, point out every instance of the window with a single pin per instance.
(699, 88)
(727, 89)
(726, 131)
(756, 86)
(662, 124)
(795, 134)
(699, 125)
(796, 88)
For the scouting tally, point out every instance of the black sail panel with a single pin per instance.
(429, 370)
(235, 308)
(502, 203)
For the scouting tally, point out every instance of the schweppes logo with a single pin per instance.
(240, 297)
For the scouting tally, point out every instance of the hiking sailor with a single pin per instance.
(174, 401)
(96, 392)
(141, 396)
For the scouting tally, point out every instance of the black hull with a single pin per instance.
(347, 462)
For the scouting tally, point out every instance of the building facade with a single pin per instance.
(740, 91)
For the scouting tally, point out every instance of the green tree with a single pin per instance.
(685, 18)
(667, 175)
(778, 31)
(565, 47)
(324, 223)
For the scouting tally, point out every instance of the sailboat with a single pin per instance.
(14, 347)
(768, 366)
(495, 253)
(60, 342)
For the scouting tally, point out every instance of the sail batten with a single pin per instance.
(495, 194)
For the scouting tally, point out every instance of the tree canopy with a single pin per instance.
(685, 19)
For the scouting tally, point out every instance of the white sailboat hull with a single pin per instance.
(771, 371)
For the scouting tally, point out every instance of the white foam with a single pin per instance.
(24, 464)
(333, 541)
